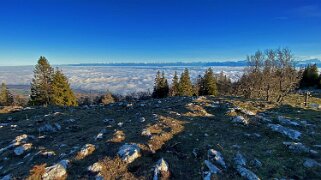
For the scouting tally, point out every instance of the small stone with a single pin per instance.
(161, 166)
(217, 156)
(293, 134)
(246, 173)
(129, 152)
(21, 149)
(240, 119)
(239, 159)
(6, 177)
(310, 163)
(56, 171)
(212, 168)
(96, 167)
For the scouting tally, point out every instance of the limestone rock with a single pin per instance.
(56, 171)
(293, 134)
(239, 159)
(96, 167)
(21, 149)
(217, 156)
(212, 168)
(241, 120)
(246, 173)
(161, 167)
(310, 163)
(129, 152)
(286, 121)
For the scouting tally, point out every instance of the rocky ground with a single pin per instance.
(173, 138)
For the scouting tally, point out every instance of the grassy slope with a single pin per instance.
(174, 138)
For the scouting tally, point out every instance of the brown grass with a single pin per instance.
(118, 136)
(37, 171)
(115, 169)
(171, 125)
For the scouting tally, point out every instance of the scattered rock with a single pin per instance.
(161, 168)
(299, 147)
(212, 168)
(56, 171)
(257, 163)
(239, 159)
(246, 173)
(129, 152)
(142, 119)
(217, 156)
(86, 150)
(315, 106)
(240, 119)
(48, 153)
(120, 124)
(293, 134)
(286, 121)
(21, 149)
(6, 177)
(48, 128)
(146, 132)
(100, 134)
(96, 167)
(310, 163)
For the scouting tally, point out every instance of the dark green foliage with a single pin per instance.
(62, 95)
(310, 77)
(319, 84)
(175, 85)
(224, 84)
(161, 88)
(210, 87)
(185, 84)
(41, 83)
(6, 98)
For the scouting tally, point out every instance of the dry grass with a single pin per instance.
(115, 169)
(196, 110)
(169, 127)
(118, 136)
(36, 172)
(82, 154)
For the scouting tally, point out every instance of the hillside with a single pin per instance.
(224, 138)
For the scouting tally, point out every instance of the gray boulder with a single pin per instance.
(212, 168)
(247, 174)
(293, 134)
(129, 152)
(56, 171)
(217, 156)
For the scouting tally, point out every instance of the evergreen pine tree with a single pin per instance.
(62, 95)
(161, 88)
(6, 98)
(185, 84)
(175, 85)
(41, 83)
(209, 83)
(310, 76)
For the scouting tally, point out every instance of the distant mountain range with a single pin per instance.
(301, 63)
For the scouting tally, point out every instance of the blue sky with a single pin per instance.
(92, 31)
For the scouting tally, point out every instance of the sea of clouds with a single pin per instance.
(120, 80)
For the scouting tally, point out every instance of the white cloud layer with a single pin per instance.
(120, 80)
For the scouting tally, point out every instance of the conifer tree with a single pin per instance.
(6, 98)
(185, 84)
(210, 87)
(41, 83)
(175, 85)
(62, 95)
(161, 88)
(310, 76)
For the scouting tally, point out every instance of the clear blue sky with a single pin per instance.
(83, 31)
